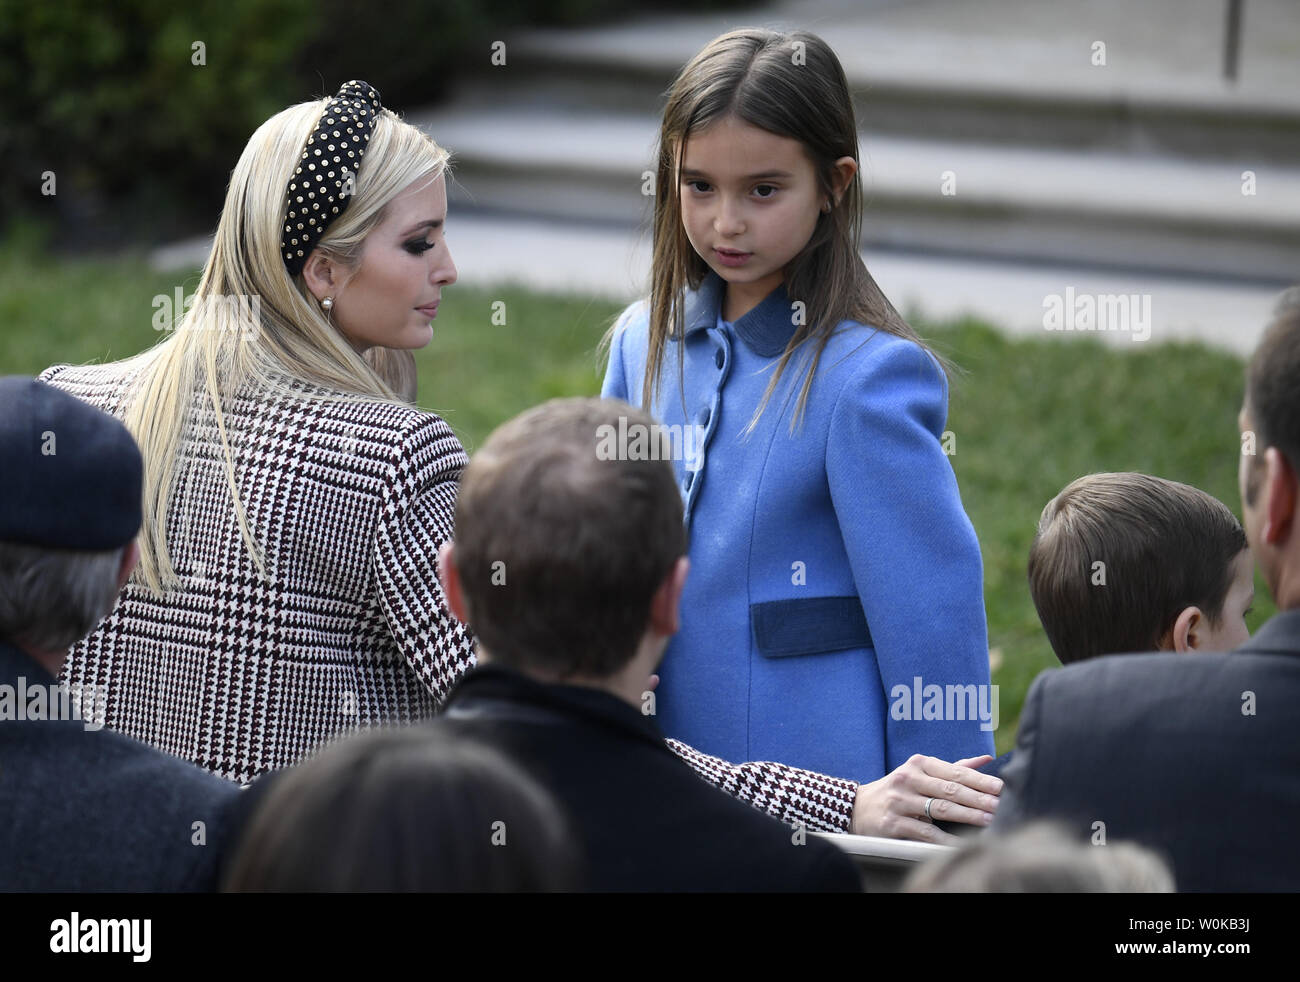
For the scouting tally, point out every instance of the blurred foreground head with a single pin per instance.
(1042, 857)
(403, 811)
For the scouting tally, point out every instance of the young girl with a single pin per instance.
(835, 576)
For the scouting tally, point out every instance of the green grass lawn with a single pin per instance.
(1029, 415)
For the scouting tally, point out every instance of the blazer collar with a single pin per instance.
(1280, 634)
(765, 330)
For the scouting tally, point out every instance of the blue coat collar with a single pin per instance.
(766, 330)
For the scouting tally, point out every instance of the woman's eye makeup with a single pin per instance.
(418, 246)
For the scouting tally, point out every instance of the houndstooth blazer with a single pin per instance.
(349, 502)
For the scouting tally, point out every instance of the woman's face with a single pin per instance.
(393, 296)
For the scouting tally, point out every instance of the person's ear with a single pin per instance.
(322, 275)
(665, 606)
(842, 174)
(1185, 636)
(130, 557)
(449, 577)
(1280, 492)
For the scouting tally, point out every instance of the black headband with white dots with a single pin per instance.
(325, 180)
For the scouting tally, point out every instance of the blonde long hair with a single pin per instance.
(791, 85)
(225, 341)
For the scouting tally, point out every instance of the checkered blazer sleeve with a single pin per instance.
(416, 517)
(794, 796)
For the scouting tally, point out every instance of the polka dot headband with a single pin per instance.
(325, 180)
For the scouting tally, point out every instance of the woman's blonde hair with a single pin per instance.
(791, 85)
(251, 322)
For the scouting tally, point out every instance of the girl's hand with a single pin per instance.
(894, 806)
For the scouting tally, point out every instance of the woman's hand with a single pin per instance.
(894, 806)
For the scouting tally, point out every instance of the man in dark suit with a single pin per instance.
(1197, 756)
(81, 808)
(568, 564)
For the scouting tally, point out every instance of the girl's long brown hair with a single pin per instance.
(790, 84)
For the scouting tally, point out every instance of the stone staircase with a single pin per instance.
(1137, 165)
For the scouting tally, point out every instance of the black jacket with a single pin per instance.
(646, 821)
(86, 810)
(1195, 755)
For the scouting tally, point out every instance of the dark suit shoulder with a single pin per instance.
(1136, 747)
(1134, 686)
(650, 823)
(93, 810)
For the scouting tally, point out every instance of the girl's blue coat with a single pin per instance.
(834, 573)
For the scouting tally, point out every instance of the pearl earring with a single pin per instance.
(327, 304)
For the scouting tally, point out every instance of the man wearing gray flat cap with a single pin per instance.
(81, 808)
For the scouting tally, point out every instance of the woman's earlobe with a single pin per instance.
(318, 274)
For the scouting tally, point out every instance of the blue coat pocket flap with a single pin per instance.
(783, 628)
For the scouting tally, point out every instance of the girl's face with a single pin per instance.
(750, 202)
(393, 296)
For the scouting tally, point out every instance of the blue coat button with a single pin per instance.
(720, 358)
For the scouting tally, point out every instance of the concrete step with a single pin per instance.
(986, 72)
(1010, 202)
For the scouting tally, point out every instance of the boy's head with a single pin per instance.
(569, 541)
(1128, 562)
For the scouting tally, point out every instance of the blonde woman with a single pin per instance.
(294, 500)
